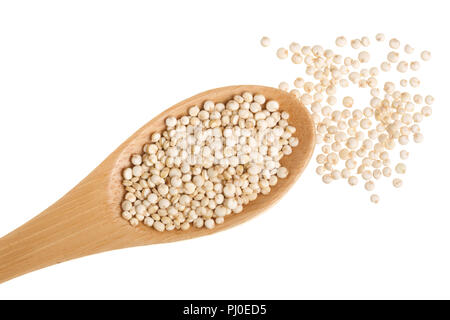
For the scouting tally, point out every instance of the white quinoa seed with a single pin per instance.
(385, 66)
(265, 41)
(394, 43)
(425, 55)
(341, 41)
(415, 65)
(375, 198)
(353, 181)
(409, 49)
(127, 174)
(294, 47)
(400, 168)
(380, 37)
(397, 182)
(282, 53)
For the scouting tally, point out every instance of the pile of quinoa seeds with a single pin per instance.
(360, 139)
(208, 164)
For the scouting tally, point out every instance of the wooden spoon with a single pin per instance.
(88, 220)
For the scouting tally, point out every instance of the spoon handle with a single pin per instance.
(75, 226)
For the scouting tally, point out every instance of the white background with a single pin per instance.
(78, 77)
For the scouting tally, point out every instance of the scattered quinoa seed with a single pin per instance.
(375, 198)
(282, 53)
(341, 41)
(294, 47)
(425, 55)
(380, 37)
(359, 138)
(265, 41)
(400, 168)
(397, 182)
(394, 43)
(409, 49)
(404, 154)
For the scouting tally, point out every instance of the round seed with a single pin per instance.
(375, 198)
(265, 41)
(282, 53)
(397, 182)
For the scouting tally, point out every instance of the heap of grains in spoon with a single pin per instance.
(359, 138)
(208, 164)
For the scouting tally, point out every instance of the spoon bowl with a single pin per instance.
(87, 220)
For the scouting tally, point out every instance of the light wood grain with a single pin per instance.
(87, 219)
